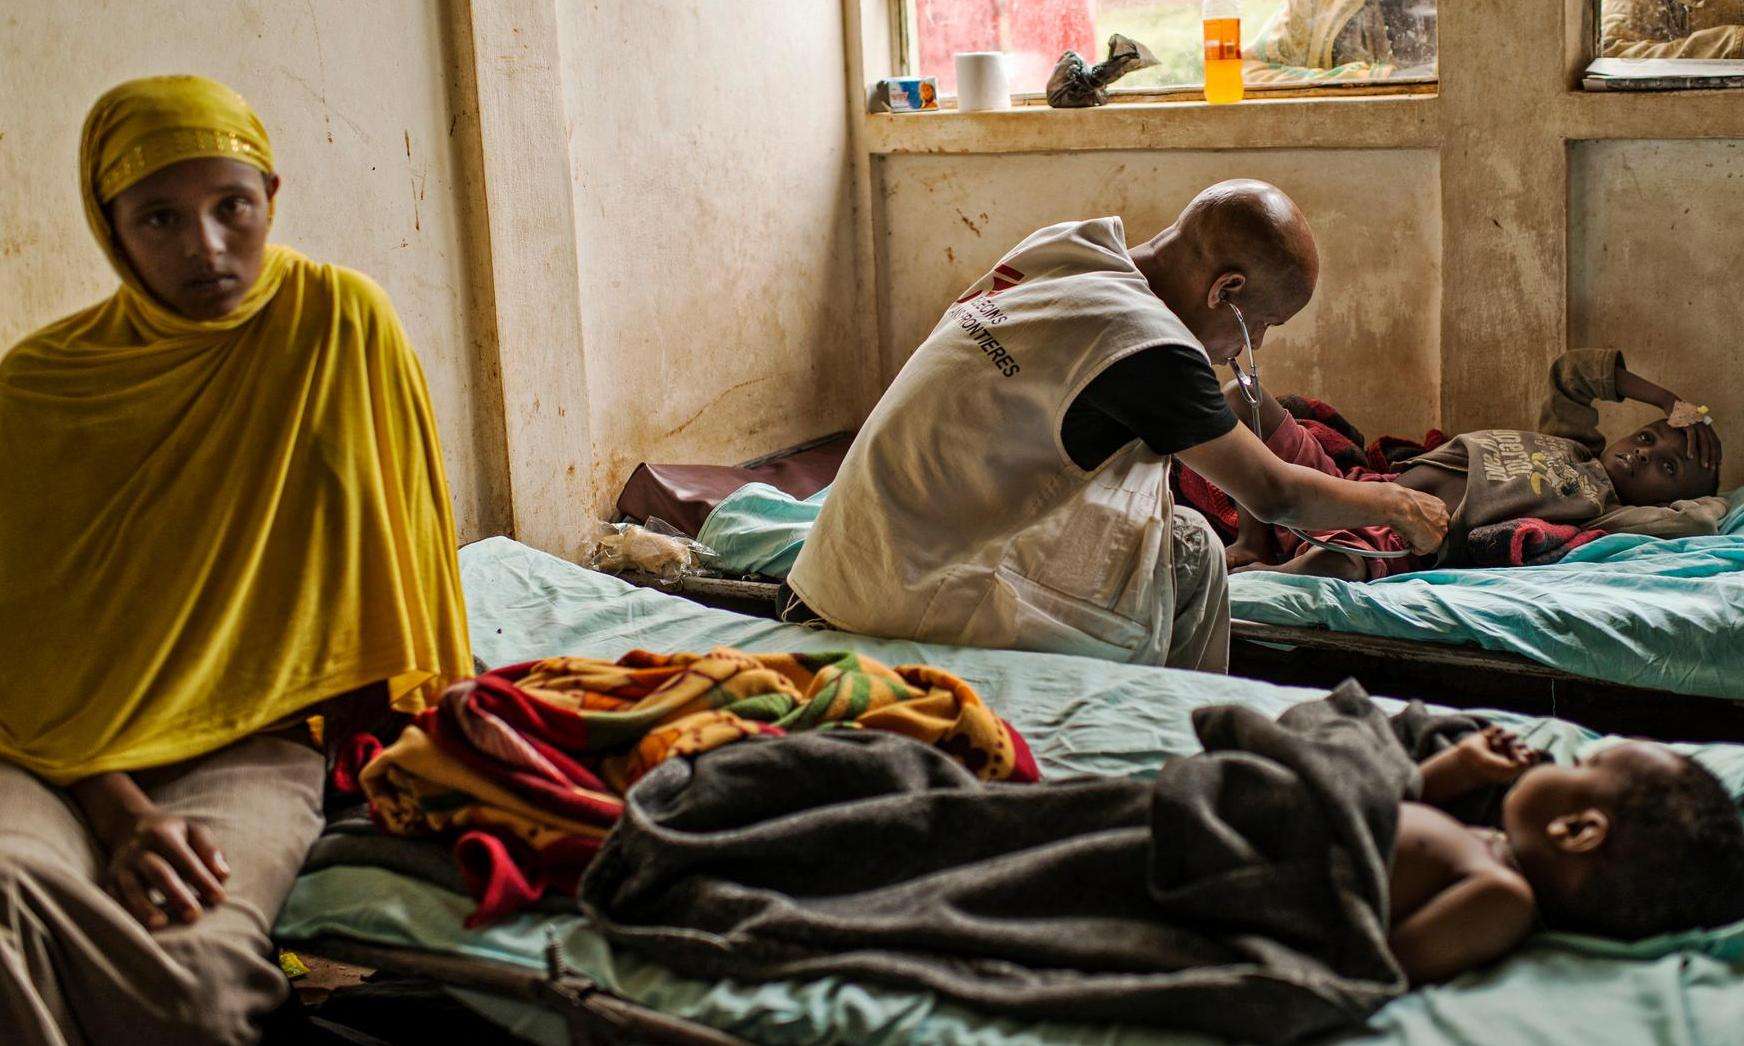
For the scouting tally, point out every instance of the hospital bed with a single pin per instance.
(547, 977)
(1640, 634)
(1628, 633)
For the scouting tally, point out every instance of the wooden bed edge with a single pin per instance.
(1409, 649)
(594, 1015)
(1465, 677)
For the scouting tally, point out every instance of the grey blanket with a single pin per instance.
(1243, 893)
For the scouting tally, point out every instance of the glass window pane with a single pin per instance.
(1284, 41)
(1685, 29)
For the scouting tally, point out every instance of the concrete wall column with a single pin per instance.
(534, 270)
(1504, 209)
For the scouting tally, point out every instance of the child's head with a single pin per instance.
(1632, 841)
(1649, 467)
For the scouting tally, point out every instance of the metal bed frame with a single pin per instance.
(592, 1014)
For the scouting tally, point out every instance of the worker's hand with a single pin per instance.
(1421, 519)
(165, 867)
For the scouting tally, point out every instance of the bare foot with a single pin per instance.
(1239, 557)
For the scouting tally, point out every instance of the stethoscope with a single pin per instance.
(1248, 381)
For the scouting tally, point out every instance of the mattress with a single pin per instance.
(1081, 717)
(1658, 614)
(1653, 613)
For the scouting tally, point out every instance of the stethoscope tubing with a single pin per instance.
(1249, 382)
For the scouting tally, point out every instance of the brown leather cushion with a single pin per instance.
(684, 495)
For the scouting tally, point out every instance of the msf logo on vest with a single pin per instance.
(977, 314)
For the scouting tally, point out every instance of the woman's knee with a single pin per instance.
(229, 981)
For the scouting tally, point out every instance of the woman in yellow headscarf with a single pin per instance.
(222, 506)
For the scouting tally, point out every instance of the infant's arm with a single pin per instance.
(1462, 906)
(1490, 756)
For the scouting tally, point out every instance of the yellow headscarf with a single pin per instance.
(209, 525)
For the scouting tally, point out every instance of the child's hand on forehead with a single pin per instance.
(1497, 755)
(1701, 442)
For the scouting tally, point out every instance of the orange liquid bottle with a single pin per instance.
(1222, 51)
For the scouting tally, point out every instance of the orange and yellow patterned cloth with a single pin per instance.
(525, 768)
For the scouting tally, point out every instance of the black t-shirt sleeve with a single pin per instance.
(1167, 396)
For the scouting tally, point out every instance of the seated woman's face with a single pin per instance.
(195, 233)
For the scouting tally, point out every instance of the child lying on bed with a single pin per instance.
(1633, 841)
(1661, 480)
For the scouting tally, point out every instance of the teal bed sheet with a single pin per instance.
(1081, 717)
(1661, 614)
(758, 529)
(1664, 615)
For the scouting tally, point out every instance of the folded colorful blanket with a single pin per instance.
(1525, 542)
(525, 768)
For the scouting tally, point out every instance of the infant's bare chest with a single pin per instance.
(1433, 852)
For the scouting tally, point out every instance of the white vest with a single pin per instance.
(958, 517)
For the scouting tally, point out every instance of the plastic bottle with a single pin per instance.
(1222, 51)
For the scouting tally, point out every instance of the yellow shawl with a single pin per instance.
(207, 526)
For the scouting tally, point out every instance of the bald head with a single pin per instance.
(1251, 227)
(1240, 242)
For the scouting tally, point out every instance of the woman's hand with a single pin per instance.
(159, 865)
(158, 855)
(1421, 519)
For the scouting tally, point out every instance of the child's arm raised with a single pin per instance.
(1577, 379)
(1703, 444)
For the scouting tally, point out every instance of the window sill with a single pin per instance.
(1312, 120)
(1598, 115)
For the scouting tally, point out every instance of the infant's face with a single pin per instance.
(1549, 791)
(1651, 466)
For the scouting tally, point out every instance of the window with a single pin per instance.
(1700, 29)
(1285, 42)
(1650, 45)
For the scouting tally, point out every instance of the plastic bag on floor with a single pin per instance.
(656, 547)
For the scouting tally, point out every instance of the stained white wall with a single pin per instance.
(1653, 270)
(1369, 341)
(357, 100)
(709, 144)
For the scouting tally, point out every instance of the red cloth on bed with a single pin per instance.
(1525, 542)
(1296, 443)
(684, 495)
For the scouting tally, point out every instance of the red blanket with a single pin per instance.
(1525, 542)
